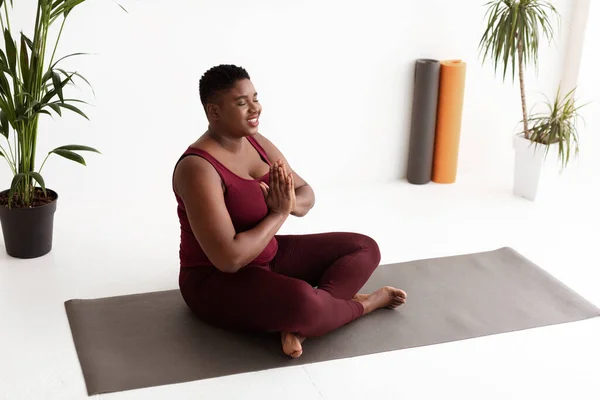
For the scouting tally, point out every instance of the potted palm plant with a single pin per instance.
(554, 131)
(32, 85)
(511, 41)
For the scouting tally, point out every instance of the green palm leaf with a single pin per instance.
(72, 108)
(77, 147)
(11, 51)
(122, 8)
(56, 108)
(27, 41)
(18, 179)
(68, 154)
(77, 74)
(4, 124)
(5, 89)
(58, 85)
(65, 57)
(24, 62)
(63, 7)
(38, 178)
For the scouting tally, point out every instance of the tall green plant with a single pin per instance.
(512, 38)
(31, 85)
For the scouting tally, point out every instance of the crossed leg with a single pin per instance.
(338, 263)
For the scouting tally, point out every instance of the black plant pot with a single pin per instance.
(28, 232)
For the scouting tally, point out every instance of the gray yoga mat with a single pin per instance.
(423, 121)
(152, 339)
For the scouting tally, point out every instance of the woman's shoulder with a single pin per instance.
(202, 144)
(261, 139)
(267, 146)
(194, 172)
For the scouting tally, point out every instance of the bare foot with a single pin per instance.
(388, 297)
(360, 297)
(292, 344)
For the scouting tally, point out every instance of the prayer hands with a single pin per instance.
(280, 193)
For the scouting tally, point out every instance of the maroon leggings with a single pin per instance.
(281, 296)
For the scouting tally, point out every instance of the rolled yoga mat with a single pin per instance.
(449, 121)
(151, 339)
(424, 113)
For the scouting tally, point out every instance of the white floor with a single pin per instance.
(133, 249)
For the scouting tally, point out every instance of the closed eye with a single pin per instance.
(243, 104)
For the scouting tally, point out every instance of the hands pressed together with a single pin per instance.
(280, 193)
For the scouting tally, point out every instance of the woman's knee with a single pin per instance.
(304, 305)
(369, 247)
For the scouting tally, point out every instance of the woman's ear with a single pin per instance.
(212, 111)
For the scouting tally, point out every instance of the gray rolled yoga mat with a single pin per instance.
(152, 339)
(423, 121)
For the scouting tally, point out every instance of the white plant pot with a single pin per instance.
(529, 163)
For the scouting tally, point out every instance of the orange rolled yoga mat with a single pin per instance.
(449, 119)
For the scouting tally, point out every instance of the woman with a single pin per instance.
(233, 197)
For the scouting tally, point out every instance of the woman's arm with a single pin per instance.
(305, 200)
(200, 188)
(305, 196)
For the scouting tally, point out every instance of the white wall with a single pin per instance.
(588, 91)
(334, 78)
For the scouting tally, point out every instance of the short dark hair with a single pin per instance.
(218, 78)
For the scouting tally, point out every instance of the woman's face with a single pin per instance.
(239, 109)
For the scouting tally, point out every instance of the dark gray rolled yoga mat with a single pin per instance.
(423, 121)
(151, 339)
